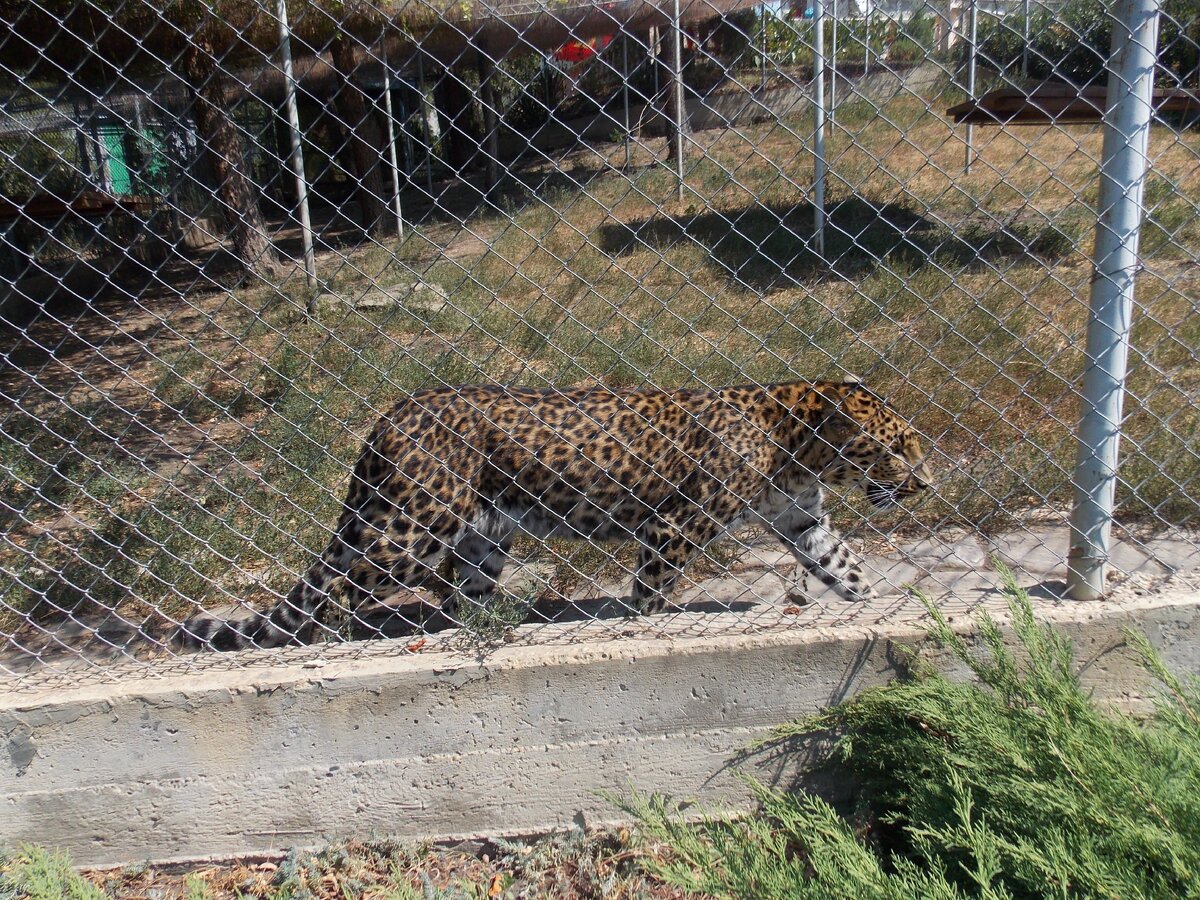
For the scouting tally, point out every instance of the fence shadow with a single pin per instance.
(764, 244)
(414, 617)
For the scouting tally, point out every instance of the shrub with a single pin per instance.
(1018, 786)
(905, 50)
(1072, 43)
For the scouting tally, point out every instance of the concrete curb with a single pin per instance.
(447, 745)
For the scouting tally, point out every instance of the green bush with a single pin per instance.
(906, 50)
(1019, 786)
(919, 30)
(33, 873)
(1072, 43)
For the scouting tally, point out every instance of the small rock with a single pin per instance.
(419, 296)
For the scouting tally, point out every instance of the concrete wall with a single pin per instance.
(299, 747)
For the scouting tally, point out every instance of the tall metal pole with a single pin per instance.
(819, 124)
(677, 87)
(1025, 41)
(833, 64)
(973, 34)
(293, 116)
(625, 96)
(391, 125)
(1123, 177)
(867, 39)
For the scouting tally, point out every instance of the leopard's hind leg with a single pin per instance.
(393, 534)
(478, 558)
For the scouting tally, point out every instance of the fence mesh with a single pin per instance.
(497, 197)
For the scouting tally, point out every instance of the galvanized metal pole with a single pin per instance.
(833, 48)
(391, 126)
(293, 117)
(973, 34)
(677, 87)
(1025, 41)
(867, 39)
(625, 96)
(819, 124)
(1123, 176)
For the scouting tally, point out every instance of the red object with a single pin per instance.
(581, 51)
(574, 51)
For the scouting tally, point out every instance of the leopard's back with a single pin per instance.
(589, 462)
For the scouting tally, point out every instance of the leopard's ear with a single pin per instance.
(838, 410)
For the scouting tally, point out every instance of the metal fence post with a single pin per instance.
(819, 124)
(833, 51)
(625, 73)
(1123, 175)
(293, 116)
(391, 130)
(677, 88)
(973, 36)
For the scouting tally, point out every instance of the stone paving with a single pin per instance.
(953, 568)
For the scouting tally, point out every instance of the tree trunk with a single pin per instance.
(364, 142)
(486, 67)
(454, 106)
(236, 191)
(677, 118)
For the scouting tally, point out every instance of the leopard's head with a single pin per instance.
(862, 441)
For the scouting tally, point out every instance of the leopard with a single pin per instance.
(450, 476)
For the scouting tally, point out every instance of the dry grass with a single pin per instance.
(574, 866)
(206, 463)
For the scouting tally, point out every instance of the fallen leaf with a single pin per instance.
(497, 887)
(416, 646)
(792, 610)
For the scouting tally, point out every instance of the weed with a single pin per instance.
(33, 873)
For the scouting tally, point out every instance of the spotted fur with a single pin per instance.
(454, 474)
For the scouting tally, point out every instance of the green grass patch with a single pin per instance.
(33, 873)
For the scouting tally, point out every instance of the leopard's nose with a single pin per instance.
(921, 477)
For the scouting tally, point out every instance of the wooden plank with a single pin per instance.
(1059, 104)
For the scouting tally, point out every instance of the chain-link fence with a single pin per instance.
(238, 233)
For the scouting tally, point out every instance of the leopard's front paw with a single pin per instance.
(855, 590)
(851, 586)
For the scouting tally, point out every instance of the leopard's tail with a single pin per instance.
(290, 621)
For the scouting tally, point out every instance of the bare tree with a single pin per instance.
(364, 140)
(237, 192)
